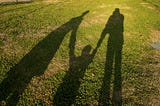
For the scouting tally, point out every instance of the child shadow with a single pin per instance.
(68, 89)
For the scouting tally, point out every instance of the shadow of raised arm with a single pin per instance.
(104, 32)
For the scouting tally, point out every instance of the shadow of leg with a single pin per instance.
(117, 89)
(104, 99)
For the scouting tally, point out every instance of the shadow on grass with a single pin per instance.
(34, 63)
(114, 27)
(67, 91)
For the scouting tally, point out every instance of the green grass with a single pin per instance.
(155, 3)
(43, 60)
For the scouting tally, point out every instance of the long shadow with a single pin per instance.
(68, 89)
(114, 27)
(34, 63)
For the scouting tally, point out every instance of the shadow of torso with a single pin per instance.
(115, 29)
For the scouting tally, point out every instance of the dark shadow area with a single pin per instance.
(34, 63)
(114, 27)
(68, 89)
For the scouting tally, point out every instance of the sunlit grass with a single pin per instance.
(25, 29)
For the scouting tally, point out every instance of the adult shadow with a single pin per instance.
(114, 27)
(68, 89)
(34, 63)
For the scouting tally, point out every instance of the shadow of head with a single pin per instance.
(116, 11)
(86, 50)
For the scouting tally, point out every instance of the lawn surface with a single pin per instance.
(55, 52)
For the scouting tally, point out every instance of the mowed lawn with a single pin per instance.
(60, 53)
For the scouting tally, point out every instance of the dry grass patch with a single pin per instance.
(147, 5)
(51, 1)
(102, 6)
(55, 65)
(9, 47)
(151, 69)
(41, 87)
(41, 90)
(155, 35)
(97, 19)
(125, 8)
